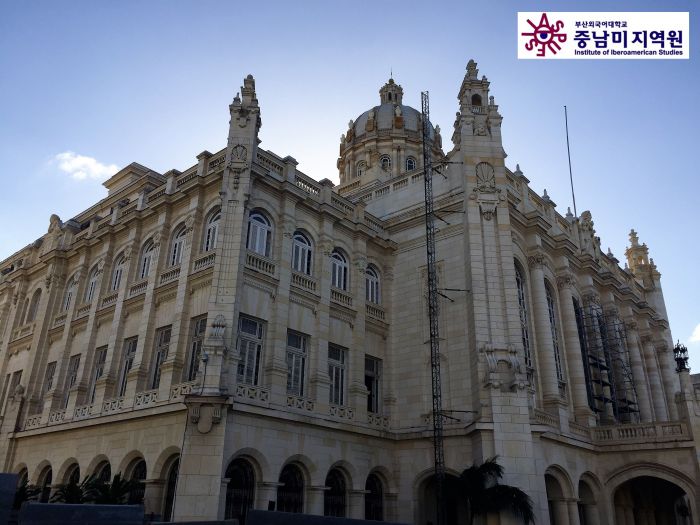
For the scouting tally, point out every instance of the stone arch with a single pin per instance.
(350, 473)
(307, 467)
(39, 470)
(20, 467)
(385, 477)
(257, 460)
(560, 474)
(646, 498)
(65, 466)
(96, 462)
(560, 493)
(424, 495)
(127, 461)
(590, 504)
(163, 462)
(653, 470)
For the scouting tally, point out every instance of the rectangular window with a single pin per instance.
(127, 363)
(199, 327)
(373, 377)
(48, 377)
(5, 387)
(250, 344)
(336, 372)
(160, 354)
(73, 365)
(98, 371)
(296, 362)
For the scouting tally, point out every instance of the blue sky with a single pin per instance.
(108, 83)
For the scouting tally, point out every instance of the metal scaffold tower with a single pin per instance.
(433, 313)
(610, 383)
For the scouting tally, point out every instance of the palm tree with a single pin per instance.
(25, 492)
(73, 492)
(114, 493)
(480, 485)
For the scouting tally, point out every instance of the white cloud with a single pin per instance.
(81, 167)
(695, 336)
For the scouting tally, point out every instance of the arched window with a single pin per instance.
(522, 308)
(44, 481)
(137, 473)
(91, 284)
(361, 168)
(70, 293)
(385, 162)
(290, 492)
(212, 231)
(73, 474)
(117, 273)
(476, 100)
(372, 285)
(240, 490)
(334, 498)
(146, 258)
(552, 310)
(374, 498)
(339, 270)
(23, 312)
(170, 486)
(34, 305)
(410, 164)
(259, 238)
(301, 253)
(22, 477)
(177, 246)
(103, 472)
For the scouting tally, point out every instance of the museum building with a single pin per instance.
(239, 335)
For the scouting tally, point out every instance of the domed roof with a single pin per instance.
(391, 95)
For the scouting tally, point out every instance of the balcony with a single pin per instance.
(204, 261)
(259, 263)
(304, 282)
(169, 275)
(252, 393)
(299, 402)
(640, 433)
(109, 299)
(375, 312)
(146, 399)
(180, 390)
(138, 288)
(83, 310)
(22, 331)
(60, 320)
(341, 297)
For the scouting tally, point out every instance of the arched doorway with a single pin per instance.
(334, 498)
(137, 473)
(647, 499)
(456, 512)
(374, 498)
(588, 513)
(240, 491)
(556, 501)
(290, 493)
(103, 472)
(44, 481)
(170, 486)
(72, 475)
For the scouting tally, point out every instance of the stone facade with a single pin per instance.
(239, 334)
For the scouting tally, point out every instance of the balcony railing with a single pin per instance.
(301, 280)
(259, 263)
(83, 310)
(342, 412)
(299, 402)
(109, 299)
(146, 399)
(83, 412)
(57, 416)
(641, 433)
(204, 261)
(23, 331)
(170, 275)
(138, 288)
(375, 312)
(180, 390)
(112, 405)
(341, 297)
(252, 393)
(60, 319)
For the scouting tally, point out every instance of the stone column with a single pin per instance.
(574, 358)
(590, 514)
(640, 380)
(545, 345)
(573, 511)
(356, 504)
(266, 492)
(560, 510)
(153, 496)
(314, 500)
(657, 393)
(667, 370)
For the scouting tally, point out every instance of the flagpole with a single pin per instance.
(568, 152)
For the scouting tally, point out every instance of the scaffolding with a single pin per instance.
(609, 380)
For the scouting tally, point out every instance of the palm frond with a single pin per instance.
(477, 478)
(505, 497)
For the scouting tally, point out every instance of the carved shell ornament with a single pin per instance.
(485, 177)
